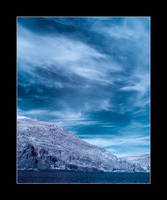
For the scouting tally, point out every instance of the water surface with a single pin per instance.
(62, 176)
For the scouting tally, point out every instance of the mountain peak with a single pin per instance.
(44, 145)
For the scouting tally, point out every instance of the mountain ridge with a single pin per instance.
(143, 160)
(44, 145)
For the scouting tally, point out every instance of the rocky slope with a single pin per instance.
(42, 145)
(141, 160)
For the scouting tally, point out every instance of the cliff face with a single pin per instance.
(42, 145)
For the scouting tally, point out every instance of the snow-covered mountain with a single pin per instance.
(142, 160)
(43, 145)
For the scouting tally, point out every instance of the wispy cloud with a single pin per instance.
(122, 145)
(123, 140)
(61, 53)
(88, 75)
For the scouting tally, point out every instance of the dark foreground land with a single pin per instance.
(62, 176)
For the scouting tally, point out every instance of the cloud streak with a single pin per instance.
(90, 75)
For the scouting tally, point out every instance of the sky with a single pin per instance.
(90, 75)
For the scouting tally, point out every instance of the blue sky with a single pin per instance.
(90, 75)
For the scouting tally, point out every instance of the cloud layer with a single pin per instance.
(89, 74)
